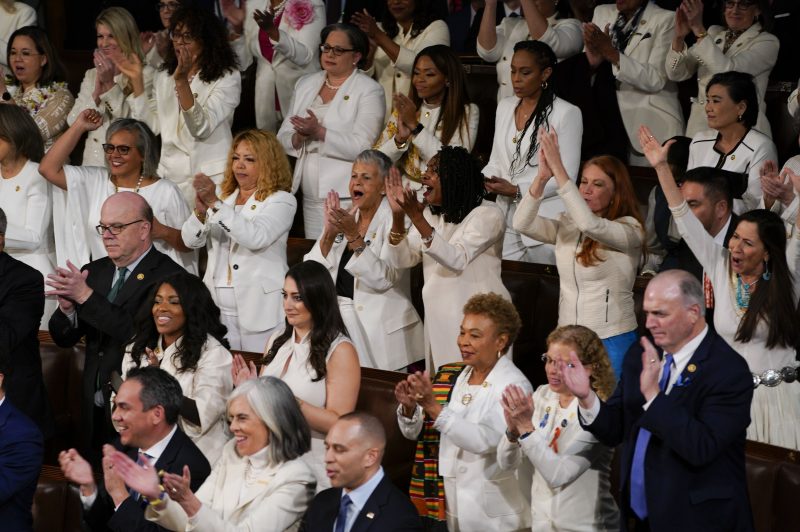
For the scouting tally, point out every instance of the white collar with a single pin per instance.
(157, 450)
(361, 494)
(681, 358)
(719, 238)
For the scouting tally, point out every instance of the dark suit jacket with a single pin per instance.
(463, 35)
(20, 461)
(695, 462)
(387, 509)
(21, 308)
(108, 326)
(129, 517)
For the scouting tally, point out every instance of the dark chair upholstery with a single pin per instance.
(56, 504)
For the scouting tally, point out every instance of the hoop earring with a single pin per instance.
(766, 275)
(544, 85)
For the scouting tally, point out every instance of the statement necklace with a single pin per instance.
(743, 290)
(135, 190)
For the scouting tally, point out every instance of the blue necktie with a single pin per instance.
(638, 495)
(341, 519)
(140, 461)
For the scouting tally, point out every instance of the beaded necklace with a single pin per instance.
(743, 290)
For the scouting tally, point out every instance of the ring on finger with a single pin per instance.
(418, 396)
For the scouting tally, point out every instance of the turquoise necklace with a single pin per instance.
(743, 292)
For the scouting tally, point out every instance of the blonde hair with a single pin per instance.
(591, 352)
(274, 172)
(498, 309)
(123, 27)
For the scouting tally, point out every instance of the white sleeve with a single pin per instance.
(479, 233)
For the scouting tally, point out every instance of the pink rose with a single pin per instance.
(299, 13)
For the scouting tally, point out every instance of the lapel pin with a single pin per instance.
(370, 515)
(18, 189)
(140, 276)
(253, 207)
(733, 157)
(643, 22)
(346, 97)
(691, 368)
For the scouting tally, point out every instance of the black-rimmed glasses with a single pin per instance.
(337, 50)
(114, 229)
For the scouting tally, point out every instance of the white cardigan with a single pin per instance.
(754, 52)
(195, 140)
(381, 297)
(258, 253)
(645, 95)
(353, 122)
(488, 497)
(296, 54)
(275, 501)
(564, 36)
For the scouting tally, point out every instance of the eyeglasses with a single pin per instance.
(741, 4)
(25, 54)
(337, 50)
(548, 361)
(186, 37)
(120, 148)
(114, 229)
(164, 6)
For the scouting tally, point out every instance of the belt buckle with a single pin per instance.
(771, 378)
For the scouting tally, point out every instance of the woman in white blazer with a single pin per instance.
(193, 99)
(514, 161)
(458, 237)
(480, 495)
(335, 115)
(259, 483)
(104, 88)
(180, 332)
(282, 36)
(435, 113)
(742, 45)
(549, 21)
(373, 296)
(599, 243)
(245, 228)
(407, 27)
(637, 49)
(571, 486)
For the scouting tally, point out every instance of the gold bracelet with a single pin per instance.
(402, 146)
(702, 35)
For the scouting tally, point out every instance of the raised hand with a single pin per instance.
(329, 221)
(577, 379)
(185, 62)
(76, 469)
(178, 486)
(242, 371)
(148, 39)
(130, 65)
(404, 396)
(693, 9)
(234, 14)
(655, 153)
(264, 19)
(651, 368)
(406, 111)
(394, 189)
(365, 23)
(88, 120)
(681, 23)
(345, 222)
(548, 144)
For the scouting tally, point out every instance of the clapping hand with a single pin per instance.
(693, 11)
(308, 127)
(517, 409)
(393, 189)
(178, 486)
(76, 469)
(242, 371)
(106, 70)
(69, 284)
(404, 396)
(406, 111)
(142, 478)
(234, 14)
(598, 44)
(651, 368)
(775, 186)
(205, 189)
(113, 483)
(421, 386)
(152, 358)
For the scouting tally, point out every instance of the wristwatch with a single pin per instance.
(518, 195)
(417, 129)
(6, 96)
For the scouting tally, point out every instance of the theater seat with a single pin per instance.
(56, 504)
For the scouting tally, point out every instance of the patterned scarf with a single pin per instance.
(427, 487)
(622, 30)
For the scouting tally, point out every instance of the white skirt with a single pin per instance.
(775, 415)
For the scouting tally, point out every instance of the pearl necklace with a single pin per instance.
(135, 190)
(333, 87)
(277, 10)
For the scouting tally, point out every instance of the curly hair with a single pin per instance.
(274, 171)
(545, 58)
(591, 352)
(461, 180)
(53, 71)
(202, 320)
(424, 13)
(623, 203)
(216, 57)
(456, 97)
(318, 293)
(498, 309)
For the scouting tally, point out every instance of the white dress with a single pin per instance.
(567, 120)
(571, 487)
(746, 158)
(209, 385)
(774, 412)
(462, 260)
(299, 377)
(88, 187)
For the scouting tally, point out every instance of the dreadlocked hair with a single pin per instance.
(318, 293)
(424, 14)
(545, 58)
(461, 181)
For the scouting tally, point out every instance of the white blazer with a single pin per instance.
(792, 105)
(258, 253)
(381, 297)
(487, 497)
(114, 103)
(754, 52)
(275, 501)
(353, 122)
(645, 95)
(296, 54)
(564, 36)
(395, 76)
(195, 140)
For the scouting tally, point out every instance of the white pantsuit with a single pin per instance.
(381, 299)
(295, 54)
(197, 139)
(567, 121)
(247, 253)
(754, 52)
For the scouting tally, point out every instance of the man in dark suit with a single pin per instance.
(100, 301)
(21, 452)
(465, 24)
(21, 308)
(362, 497)
(681, 420)
(146, 415)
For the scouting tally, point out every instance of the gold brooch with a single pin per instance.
(466, 399)
(691, 368)
(140, 276)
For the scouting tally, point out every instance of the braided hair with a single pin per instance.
(461, 181)
(545, 58)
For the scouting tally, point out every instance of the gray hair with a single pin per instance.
(691, 289)
(146, 142)
(274, 403)
(378, 158)
(3, 222)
